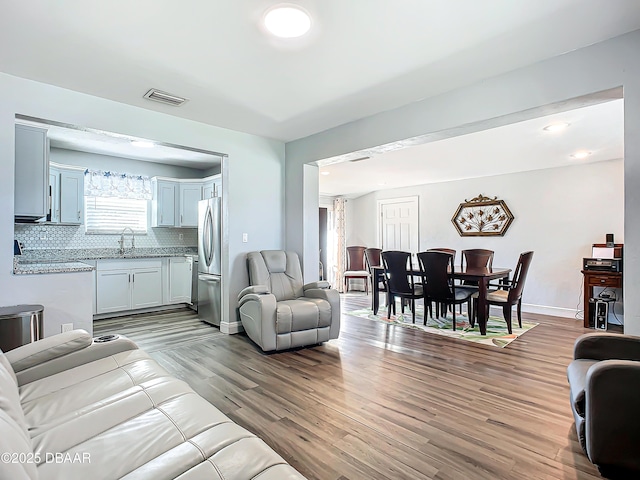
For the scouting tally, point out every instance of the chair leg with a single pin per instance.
(454, 318)
(413, 310)
(346, 284)
(506, 311)
(520, 313)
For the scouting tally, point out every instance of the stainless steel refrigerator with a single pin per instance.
(209, 267)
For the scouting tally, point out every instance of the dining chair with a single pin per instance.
(435, 267)
(509, 292)
(372, 259)
(399, 280)
(355, 267)
(475, 258)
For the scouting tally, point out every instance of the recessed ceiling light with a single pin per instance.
(287, 21)
(382, 183)
(581, 154)
(142, 144)
(325, 173)
(556, 127)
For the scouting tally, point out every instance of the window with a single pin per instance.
(114, 201)
(105, 215)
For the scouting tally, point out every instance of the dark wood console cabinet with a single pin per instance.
(594, 278)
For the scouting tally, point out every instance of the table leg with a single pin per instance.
(482, 305)
(375, 299)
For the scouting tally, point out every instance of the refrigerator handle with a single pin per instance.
(206, 238)
(210, 234)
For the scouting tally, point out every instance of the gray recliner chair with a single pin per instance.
(605, 398)
(278, 312)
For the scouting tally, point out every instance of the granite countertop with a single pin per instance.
(70, 260)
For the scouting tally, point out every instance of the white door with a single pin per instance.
(398, 225)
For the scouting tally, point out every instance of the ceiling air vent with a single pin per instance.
(164, 97)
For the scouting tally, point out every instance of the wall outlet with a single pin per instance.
(67, 327)
(245, 237)
(181, 236)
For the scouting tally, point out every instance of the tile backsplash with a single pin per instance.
(39, 237)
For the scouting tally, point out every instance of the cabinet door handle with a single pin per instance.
(129, 278)
(79, 211)
(160, 218)
(180, 219)
(134, 277)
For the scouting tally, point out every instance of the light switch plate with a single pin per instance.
(67, 327)
(245, 237)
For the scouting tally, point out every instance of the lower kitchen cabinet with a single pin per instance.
(180, 271)
(139, 285)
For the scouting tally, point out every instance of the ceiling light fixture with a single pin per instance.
(142, 144)
(325, 173)
(581, 154)
(287, 21)
(556, 127)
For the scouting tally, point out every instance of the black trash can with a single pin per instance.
(19, 325)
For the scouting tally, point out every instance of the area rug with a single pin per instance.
(497, 334)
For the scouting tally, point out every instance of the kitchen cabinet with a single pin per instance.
(165, 199)
(175, 202)
(66, 186)
(71, 196)
(128, 284)
(180, 271)
(31, 176)
(190, 195)
(54, 194)
(212, 187)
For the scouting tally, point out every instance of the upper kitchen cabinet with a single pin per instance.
(163, 205)
(31, 173)
(175, 202)
(190, 195)
(212, 187)
(66, 186)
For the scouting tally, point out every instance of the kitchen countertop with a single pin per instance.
(70, 260)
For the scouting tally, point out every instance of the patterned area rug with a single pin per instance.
(497, 334)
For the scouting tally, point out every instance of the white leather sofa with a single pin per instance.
(73, 408)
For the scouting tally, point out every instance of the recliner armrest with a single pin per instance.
(254, 289)
(323, 284)
(62, 352)
(607, 346)
(47, 349)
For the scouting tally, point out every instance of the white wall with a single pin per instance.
(252, 178)
(558, 214)
(596, 68)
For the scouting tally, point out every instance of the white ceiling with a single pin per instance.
(361, 57)
(518, 147)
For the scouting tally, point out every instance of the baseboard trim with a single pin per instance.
(125, 313)
(231, 328)
(552, 311)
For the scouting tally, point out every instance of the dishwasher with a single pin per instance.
(194, 284)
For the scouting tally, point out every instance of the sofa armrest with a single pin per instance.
(48, 349)
(612, 421)
(607, 346)
(62, 352)
(322, 284)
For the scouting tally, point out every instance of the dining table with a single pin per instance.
(480, 275)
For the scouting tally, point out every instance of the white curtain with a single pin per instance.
(341, 251)
(100, 183)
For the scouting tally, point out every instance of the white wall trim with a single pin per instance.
(553, 311)
(231, 328)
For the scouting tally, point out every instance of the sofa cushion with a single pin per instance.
(302, 314)
(577, 374)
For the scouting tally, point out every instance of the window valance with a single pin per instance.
(100, 183)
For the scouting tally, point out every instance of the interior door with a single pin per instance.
(399, 224)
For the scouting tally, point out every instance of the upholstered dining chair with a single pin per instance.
(475, 258)
(355, 267)
(510, 291)
(399, 280)
(438, 286)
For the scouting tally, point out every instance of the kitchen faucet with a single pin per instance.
(121, 241)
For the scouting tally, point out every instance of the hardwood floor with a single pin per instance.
(385, 402)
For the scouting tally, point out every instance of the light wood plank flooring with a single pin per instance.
(385, 402)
